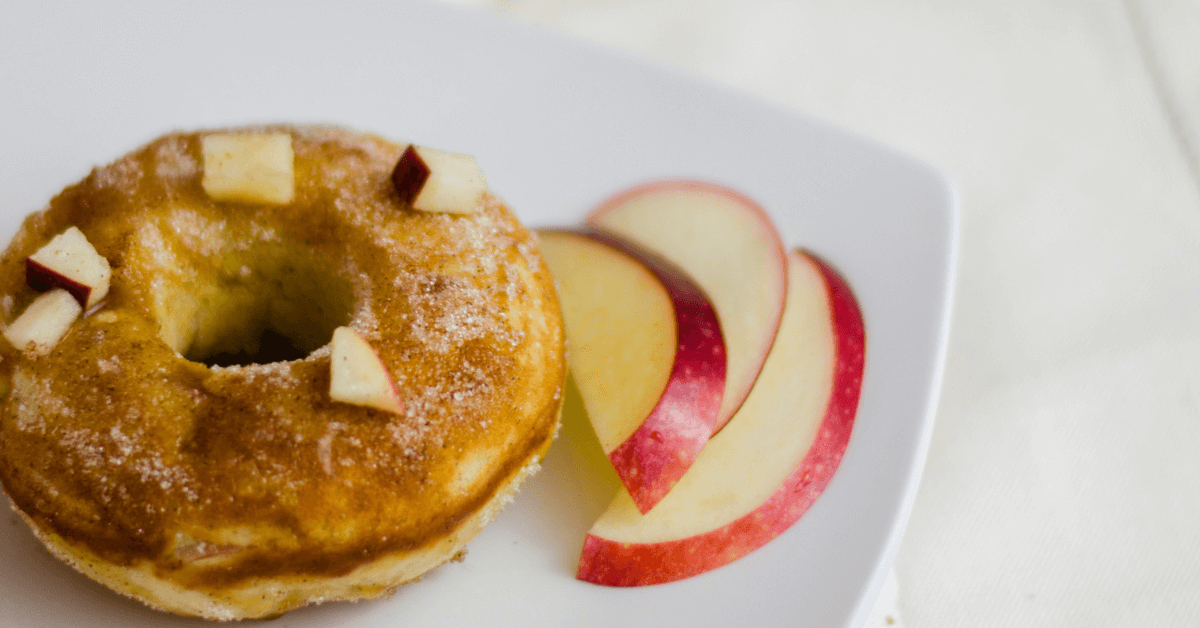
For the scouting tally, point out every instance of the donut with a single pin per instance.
(178, 438)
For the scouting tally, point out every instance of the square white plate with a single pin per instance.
(557, 126)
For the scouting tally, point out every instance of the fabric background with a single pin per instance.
(1063, 482)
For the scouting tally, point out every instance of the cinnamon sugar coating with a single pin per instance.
(243, 490)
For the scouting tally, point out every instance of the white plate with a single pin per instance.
(557, 126)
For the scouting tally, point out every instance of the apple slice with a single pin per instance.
(436, 181)
(39, 328)
(70, 262)
(249, 167)
(757, 476)
(646, 353)
(358, 376)
(727, 243)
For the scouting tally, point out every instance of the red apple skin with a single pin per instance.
(635, 564)
(410, 175)
(41, 279)
(658, 453)
(595, 217)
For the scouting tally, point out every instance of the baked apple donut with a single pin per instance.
(244, 371)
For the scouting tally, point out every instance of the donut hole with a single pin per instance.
(268, 305)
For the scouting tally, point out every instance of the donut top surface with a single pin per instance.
(158, 430)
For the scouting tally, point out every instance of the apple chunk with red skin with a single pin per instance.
(728, 245)
(69, 261)
(437, 181)
(358, 376)
(756, 477)
(646, 352)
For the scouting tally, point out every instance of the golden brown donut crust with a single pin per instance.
(221, 480)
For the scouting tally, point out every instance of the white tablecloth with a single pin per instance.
(1063, 482)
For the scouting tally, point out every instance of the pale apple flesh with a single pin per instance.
(39, 328)
(646, 351)
(358, 376)
(766, 468)
(249, 167)
(620, 331)
(727, 243)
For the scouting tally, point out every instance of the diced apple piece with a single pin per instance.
(729, 246)
(756, 477)
(249, 167)
(358, 376)
(69, 261)
(39, 328)
(436, 181)
(646, 353)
